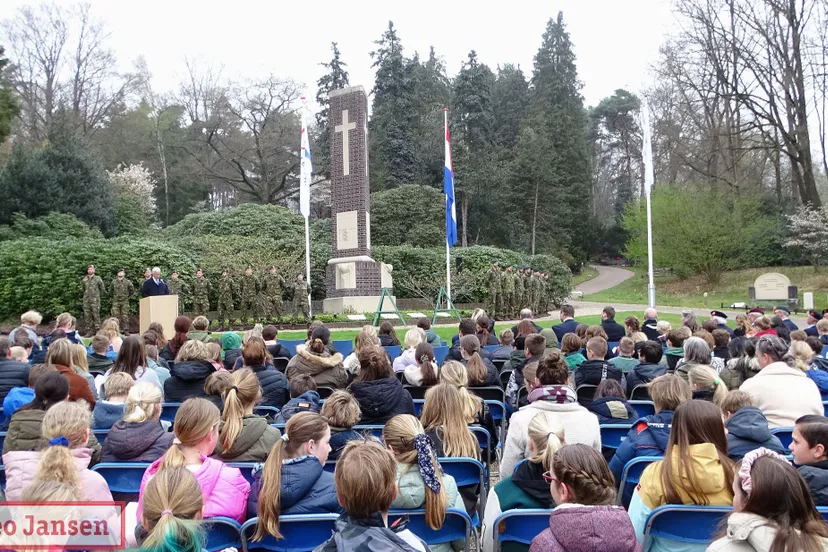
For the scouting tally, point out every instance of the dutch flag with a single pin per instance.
(448, 189)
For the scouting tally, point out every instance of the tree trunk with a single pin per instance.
(535, 214)
(464, 214)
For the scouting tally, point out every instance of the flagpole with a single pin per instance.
(305, 208)
(649, 177)
(448, 249)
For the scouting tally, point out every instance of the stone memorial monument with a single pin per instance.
(774, 287)
(354, 280)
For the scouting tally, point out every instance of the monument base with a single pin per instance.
(355, 304)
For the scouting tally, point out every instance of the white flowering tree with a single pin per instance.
(134, 186)
(809, 233)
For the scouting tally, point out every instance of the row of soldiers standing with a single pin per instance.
(512, 290)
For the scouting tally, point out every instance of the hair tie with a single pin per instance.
(425, 454)
(317, 340)
(234, 388)
(176, 441)
(167, 512)
(424, 359)
(60, 441)
(747, 465)
(717, 381)
(285, 437)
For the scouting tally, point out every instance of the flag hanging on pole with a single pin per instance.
(448, 189)
(647, 147)
(305, 170)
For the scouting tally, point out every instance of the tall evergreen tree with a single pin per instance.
(392, 145)
(432, 93)
(510, 99)
(334, 79)
(9, 109)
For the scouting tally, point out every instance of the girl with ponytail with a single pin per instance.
(481, 370)
(66, 458)
(244, 437)
(173, 506)
(196, 427)
(424, 372)
(139, 436)
(292, 480)
(526, 487)
(475, 410)
(420, 481)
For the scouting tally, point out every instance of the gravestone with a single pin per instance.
(771, 286)
(354, 281)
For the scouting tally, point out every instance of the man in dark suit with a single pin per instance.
(784, 312)
(721, 321)
(567, 324)
(813, 318)
(650, 325)
(154, 285)
(615, 331)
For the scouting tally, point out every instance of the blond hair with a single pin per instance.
(256, 331)
(60, 352)
(736, 400)
(65, 319)
(300, 428)
(69, 422)
(705, 377)
(194, 421)
(143, 403)
(444, 411)
(244, 392)
(663, 326)
(201, 323)
(413, 337)
(18, 353)
(215, 351)
(192, 350)
(118, 383)
(111, 327)
(79, 359)
(400, 433)
(475, 367)
(172, 506)
(365, 479)
(454, 373)
(669, 391)
(31, 317)
(803, 354)
(638, 337)
(547, 436)
(341, 410)
(367, 337)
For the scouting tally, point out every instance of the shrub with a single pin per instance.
(54, 226)
(408, 214)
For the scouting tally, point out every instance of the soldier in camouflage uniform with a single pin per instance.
(300, 297)
(93, 288)
(178, 287)
(201, 294)
(495, 294)
(544, 304)
(273, 286)
(249, 292)
(508, 289)
(536, 291)
(121, 289)
(520, 292)
(226, 288)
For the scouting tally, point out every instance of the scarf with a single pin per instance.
(561, 394)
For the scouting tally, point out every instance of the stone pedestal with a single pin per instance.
(354, 280)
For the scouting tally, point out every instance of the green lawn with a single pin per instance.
(674, 292)
(587, 273)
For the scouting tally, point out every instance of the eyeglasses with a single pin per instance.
(549, 477)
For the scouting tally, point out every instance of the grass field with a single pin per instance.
(587, 273)
(674, 292)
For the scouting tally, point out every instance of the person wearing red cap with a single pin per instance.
(755, 313)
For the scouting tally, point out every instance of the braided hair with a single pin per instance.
(585, 472)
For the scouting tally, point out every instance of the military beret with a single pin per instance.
(756, 310)
(720, 314)
(783, 308)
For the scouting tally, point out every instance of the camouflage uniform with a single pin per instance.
(520, 293)
(495, 294)
(508, 290)
(535, 279)
(121, 292)
(544, 304)
(300, 298)
(273, 285)
(201, 296)
(225, 299)
(249, 291)
(93, 288)
(180, 288)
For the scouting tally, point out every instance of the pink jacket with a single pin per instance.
(21, 466)
(224, 489)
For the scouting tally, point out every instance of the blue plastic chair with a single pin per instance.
(269, 411)
(246, 469)
(485, 441)
(373, 429)
(785, 435)
(2, 438)
(169, 410)
(823, 511)
(825, 407)
(631, 475)
(824, 352)
(686, 524)
(300, 533)
(467, 472)
(440, 354)
(418, 407)
(393, 351)
(100, 435)
(344, 346)
(643, 408)
(612, 435)
(519, 526)
(122, 477)
(456, 526)
(329, 466)
(490, 348)
(222, 532)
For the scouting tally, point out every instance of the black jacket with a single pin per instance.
(615, 331)
(12, 374)
(274, 384)
(187, 380)
(382, 399)
(811, 331)
(816, 476)
(650, 329)
(454, 353)
(230, 358)
(387, 341)
(142, 442)
(564, 328)
(747, 430)
(643, 373)
(593, 372)
(725, 327)
(722, 352)
(150, 289)
(612, 410)
(278, 350)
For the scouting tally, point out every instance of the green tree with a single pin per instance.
(510, 99)
(392, 146)
(432, 93)
(9, 109)
(409, 214)
(334, 79)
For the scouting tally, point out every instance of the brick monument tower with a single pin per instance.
(354, 280)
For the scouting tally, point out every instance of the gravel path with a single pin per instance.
(608, 277)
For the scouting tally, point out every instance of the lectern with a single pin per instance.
(160, 308)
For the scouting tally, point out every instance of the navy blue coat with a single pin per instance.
(725, 327)
(612, 410)
(816, 476)
(811, 331)
(564, 328)
(274, 384)
(648, 437)
(650, 329)
(306, 489)
(747, 430)
(791, 326)
(340, 438)
(615, 331)
(310, 401)
(12, 374)
(382, 399)
(150, 289)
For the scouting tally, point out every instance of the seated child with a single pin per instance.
(111, 409)
(341, 410)
(747, 427)
(810, 451)
(19, 353)
(18, 396)
(303, 398)
(625, 360)
(98, 357)
(173, 506)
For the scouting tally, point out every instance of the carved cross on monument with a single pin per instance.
(344, 128)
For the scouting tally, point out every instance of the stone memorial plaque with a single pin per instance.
(771, 286)
(345, 275)
(347, 236)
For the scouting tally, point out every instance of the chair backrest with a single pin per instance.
(485, 441)
(246, 469)
(823, 511)
(504, 377)
(440, 354)
(519, 526)
(499, 363)
(467, 472)
(329, 466)
(267, 411)
(373, 429)
(169, 410)
(2, 477)
(122, 477)
(418, 407)
(612, 435)
(631, 475)
(640, 393)
(280, 363)
(300, 533)
(498, 410)
(456, 526)
(492, 393)
(393, 351)
(586, 392)
(825, 407)
(416, 392)
(686, 524)
(643, 408)
(522, 392)
(785, 435)
(100, 435)
(222, 532)
(290, 344)
(344, 346)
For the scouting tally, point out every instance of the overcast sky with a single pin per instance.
(616, 41)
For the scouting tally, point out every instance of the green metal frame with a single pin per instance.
(443, 296)
(379, 311)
